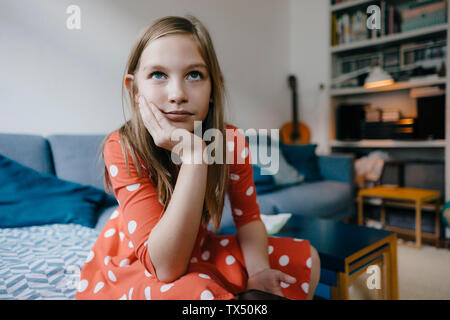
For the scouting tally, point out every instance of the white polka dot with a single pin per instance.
(234, 177)
(204, 276)
(147, 274)
(147, 293)
(305, 287)
(206, 295)
(284, 260)
(113, 170)
(121, 235)
(145, 243)
(114, 215)
(230, 145)
(130, 293)
(90, 256)
(110, 232)
(270, 249)
(133, 187)
(224, 242)
(82, 285)
(230, 260)
(249, 191)
(124, 297)
(244, 153)
(132, 226)
(130, 245)
(284, 284)
(112, 276)
(99, 286)
(194, 260)
(205, 255)
(106, 261)
(298, 240)
(124, 262)
(166, 287)
(238, 212)
(201, 242)
(309, 262)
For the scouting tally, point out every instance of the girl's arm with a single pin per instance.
(172, 240)
(253, 241)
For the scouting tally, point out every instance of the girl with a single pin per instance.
(156, 245)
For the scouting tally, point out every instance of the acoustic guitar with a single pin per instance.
(294, 132)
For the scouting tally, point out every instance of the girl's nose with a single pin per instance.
(177, 92)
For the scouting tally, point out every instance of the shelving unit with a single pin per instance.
(399, 90)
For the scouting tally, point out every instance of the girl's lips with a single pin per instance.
(178, 116)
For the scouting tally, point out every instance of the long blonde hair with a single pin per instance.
(134, 135)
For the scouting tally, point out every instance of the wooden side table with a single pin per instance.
(418, 196)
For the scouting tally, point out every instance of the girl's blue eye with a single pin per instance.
(197, 75)
(156, 73)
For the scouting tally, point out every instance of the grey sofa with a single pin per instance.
(77, 158)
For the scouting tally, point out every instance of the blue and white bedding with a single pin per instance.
(43, 262)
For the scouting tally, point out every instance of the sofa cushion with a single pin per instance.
(28, 198)
(278, 173)
(321, 199)
(31, 150)
(78, 158)
(304, 159)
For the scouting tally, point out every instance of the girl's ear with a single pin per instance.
(130, 85)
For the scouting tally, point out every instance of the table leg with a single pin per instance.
(360, 211)
(387, 279)
(393, 268)
(343, 286)
(418, 224)
(382, 214)
(438, 223)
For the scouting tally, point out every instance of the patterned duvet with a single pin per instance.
(43, 262)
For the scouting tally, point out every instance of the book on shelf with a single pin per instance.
(390, 115)
(372, 114)
(350, 25)
(426, 92)
(423, 14)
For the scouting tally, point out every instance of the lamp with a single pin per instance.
(378, 78)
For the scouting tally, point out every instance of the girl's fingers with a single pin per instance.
(150, 115)
(287, 278)
(149, 120)
(162, 120)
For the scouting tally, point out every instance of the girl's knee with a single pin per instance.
(315, 259)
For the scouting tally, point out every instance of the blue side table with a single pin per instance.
(346, 251)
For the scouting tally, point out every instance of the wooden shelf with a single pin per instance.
(388, 144)
(396, 86)
(390, 38)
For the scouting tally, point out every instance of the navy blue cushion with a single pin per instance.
(263, 183)
(304, 159)
(28, 197)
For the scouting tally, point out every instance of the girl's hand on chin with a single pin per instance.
(161, 131)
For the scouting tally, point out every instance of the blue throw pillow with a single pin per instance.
(276, 176)
(304, 159)
(28, 197)
(263, 183)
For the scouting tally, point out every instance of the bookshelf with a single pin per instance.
(389, 46)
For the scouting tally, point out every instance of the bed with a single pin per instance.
(43, 262)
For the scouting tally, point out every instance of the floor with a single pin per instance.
(423, 274)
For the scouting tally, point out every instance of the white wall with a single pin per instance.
(56, 80)
(309, 60)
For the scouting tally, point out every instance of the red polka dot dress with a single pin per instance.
(119, 265)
